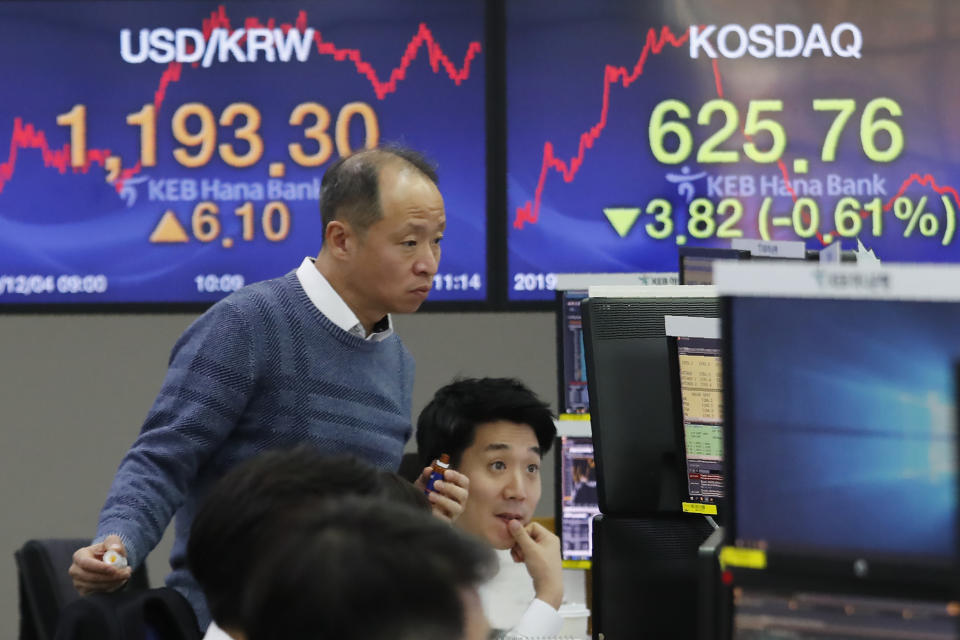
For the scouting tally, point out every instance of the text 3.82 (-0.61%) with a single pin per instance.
(848, 218)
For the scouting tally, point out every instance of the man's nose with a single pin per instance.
(428, 262)
(515, 489)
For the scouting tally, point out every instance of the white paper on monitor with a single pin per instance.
(692, 327)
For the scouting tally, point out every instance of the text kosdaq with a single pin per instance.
(777, 41)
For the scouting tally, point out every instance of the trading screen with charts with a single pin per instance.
(701, 391)
(578, 497)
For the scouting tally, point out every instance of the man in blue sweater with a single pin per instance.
(307, 357)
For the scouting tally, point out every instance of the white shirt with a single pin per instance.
(325, 298)
(510, 602)
(215, 633)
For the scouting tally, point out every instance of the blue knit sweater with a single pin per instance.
(262, 368)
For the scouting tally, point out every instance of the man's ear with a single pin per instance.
(338, 238)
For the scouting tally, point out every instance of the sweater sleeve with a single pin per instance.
(408, 378)
(208, 384)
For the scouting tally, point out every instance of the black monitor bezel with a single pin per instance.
(887, 574)
(660, 496)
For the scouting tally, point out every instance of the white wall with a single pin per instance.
(74, 390)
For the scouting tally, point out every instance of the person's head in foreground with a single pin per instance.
(236, 520)
(361, 568)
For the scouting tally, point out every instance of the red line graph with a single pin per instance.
(423, 37)
(925, 180)
(27, 136)
(530, 212)
(718, 80)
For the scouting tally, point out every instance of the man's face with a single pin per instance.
(503, 465)
(395, 260)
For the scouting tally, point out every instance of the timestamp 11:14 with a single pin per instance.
(457, 281)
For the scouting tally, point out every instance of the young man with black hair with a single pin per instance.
(307, 357)
(496, 431)
(363, 569)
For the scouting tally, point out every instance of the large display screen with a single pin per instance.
(172, 151)
(638, 127)
(844, 434)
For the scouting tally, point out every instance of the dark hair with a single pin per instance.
(449, 422)
(401, 491)
(350, 189)
(237, 517)
(361, 568)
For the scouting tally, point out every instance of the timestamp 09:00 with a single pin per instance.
(26, 285)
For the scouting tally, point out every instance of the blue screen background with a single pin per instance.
(559, 55)
(845, 435)
(65, 53)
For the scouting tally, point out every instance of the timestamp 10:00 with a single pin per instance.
(218, 283)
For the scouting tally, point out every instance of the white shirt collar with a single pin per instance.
(328, 301)
(216, 633)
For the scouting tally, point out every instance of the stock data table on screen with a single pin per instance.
(172, 152)
(701, 394)
(696, 123)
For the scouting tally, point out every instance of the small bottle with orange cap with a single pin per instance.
(439, 466)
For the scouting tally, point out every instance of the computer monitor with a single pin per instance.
(841, 433)
(572, 393)
(576, 499)
(847, 255)
(696, 263)
(571, 359)
(631, 398)
(760, 613)
(645, 576)
(695, 367)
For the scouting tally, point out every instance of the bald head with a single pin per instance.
(350, 190)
